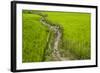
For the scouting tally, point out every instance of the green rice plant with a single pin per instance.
(75, 41)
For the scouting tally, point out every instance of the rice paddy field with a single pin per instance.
(74, 43)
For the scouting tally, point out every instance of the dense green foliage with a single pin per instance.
(76, 32)
(75, 42)
(34, 41)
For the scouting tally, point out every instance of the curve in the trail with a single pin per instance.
(56, 29)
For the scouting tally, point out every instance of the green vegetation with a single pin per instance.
(76, 32)
(75, 43)
(34, 38)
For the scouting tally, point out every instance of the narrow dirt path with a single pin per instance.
(56, 29)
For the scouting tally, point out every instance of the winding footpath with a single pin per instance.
(56, 29)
